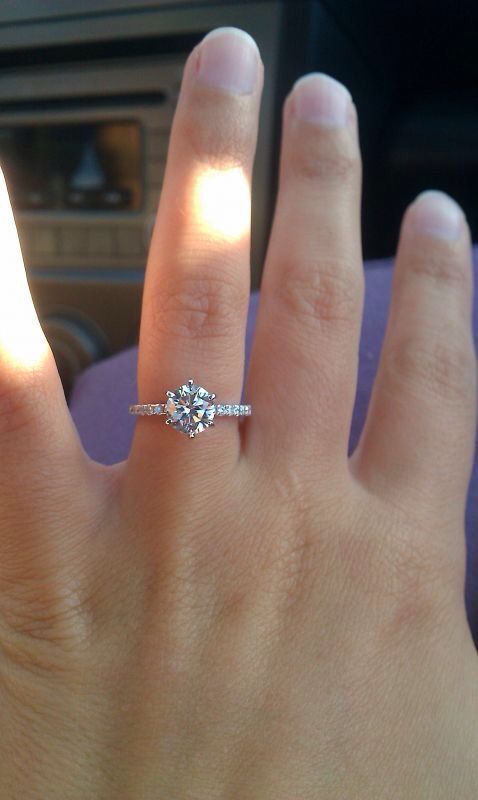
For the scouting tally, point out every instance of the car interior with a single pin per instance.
(88, 92)
(87, 95)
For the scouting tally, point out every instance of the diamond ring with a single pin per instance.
(190, 409)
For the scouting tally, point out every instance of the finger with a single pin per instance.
(302, 373)
(198, 275)
(419, 434)
(39, 447)
(34, 418)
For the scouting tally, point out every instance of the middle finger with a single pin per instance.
(303, 367)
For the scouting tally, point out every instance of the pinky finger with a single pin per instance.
(419, 436)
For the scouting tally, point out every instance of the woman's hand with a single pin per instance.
(248, 615)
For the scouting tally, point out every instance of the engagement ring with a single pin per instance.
(190, 409)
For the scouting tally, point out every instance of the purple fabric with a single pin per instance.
(100, 398)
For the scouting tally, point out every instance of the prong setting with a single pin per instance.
(191, 409)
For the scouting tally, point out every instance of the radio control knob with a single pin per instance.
(75, 344)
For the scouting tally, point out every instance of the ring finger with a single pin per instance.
(198, 275)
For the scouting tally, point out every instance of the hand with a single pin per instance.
(248, 615)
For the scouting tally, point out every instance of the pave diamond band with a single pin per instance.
(190, 409)
(221, 410)
(232, 411)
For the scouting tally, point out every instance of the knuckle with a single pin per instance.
(40, 634)
(294, 558)
(22, 402)
(327, 292)
(199, 306)
(443, 368)
(47, 612)
(296, 565)
(397, 565)
(218, 133)
(441, 264)
(416, 576)
(332, 165)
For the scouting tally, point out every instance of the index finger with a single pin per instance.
(34, 418)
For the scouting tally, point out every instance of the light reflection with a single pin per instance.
(222, 200)
(22, 342)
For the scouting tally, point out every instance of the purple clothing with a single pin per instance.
(101, 395)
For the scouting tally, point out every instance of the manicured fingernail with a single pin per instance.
(229, 59)
(437, 214)
(322, 100)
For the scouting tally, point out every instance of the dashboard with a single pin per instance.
(88, 90)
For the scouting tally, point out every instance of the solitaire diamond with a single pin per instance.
(190, 409)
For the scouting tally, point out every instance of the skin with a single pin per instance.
(248, 614)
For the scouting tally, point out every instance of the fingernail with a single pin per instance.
(229, 59)
(322, 100)
(437, 214)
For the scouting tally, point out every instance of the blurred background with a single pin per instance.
(87, 94)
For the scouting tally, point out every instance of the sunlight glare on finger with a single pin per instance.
(222, 203)
(22, 342)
